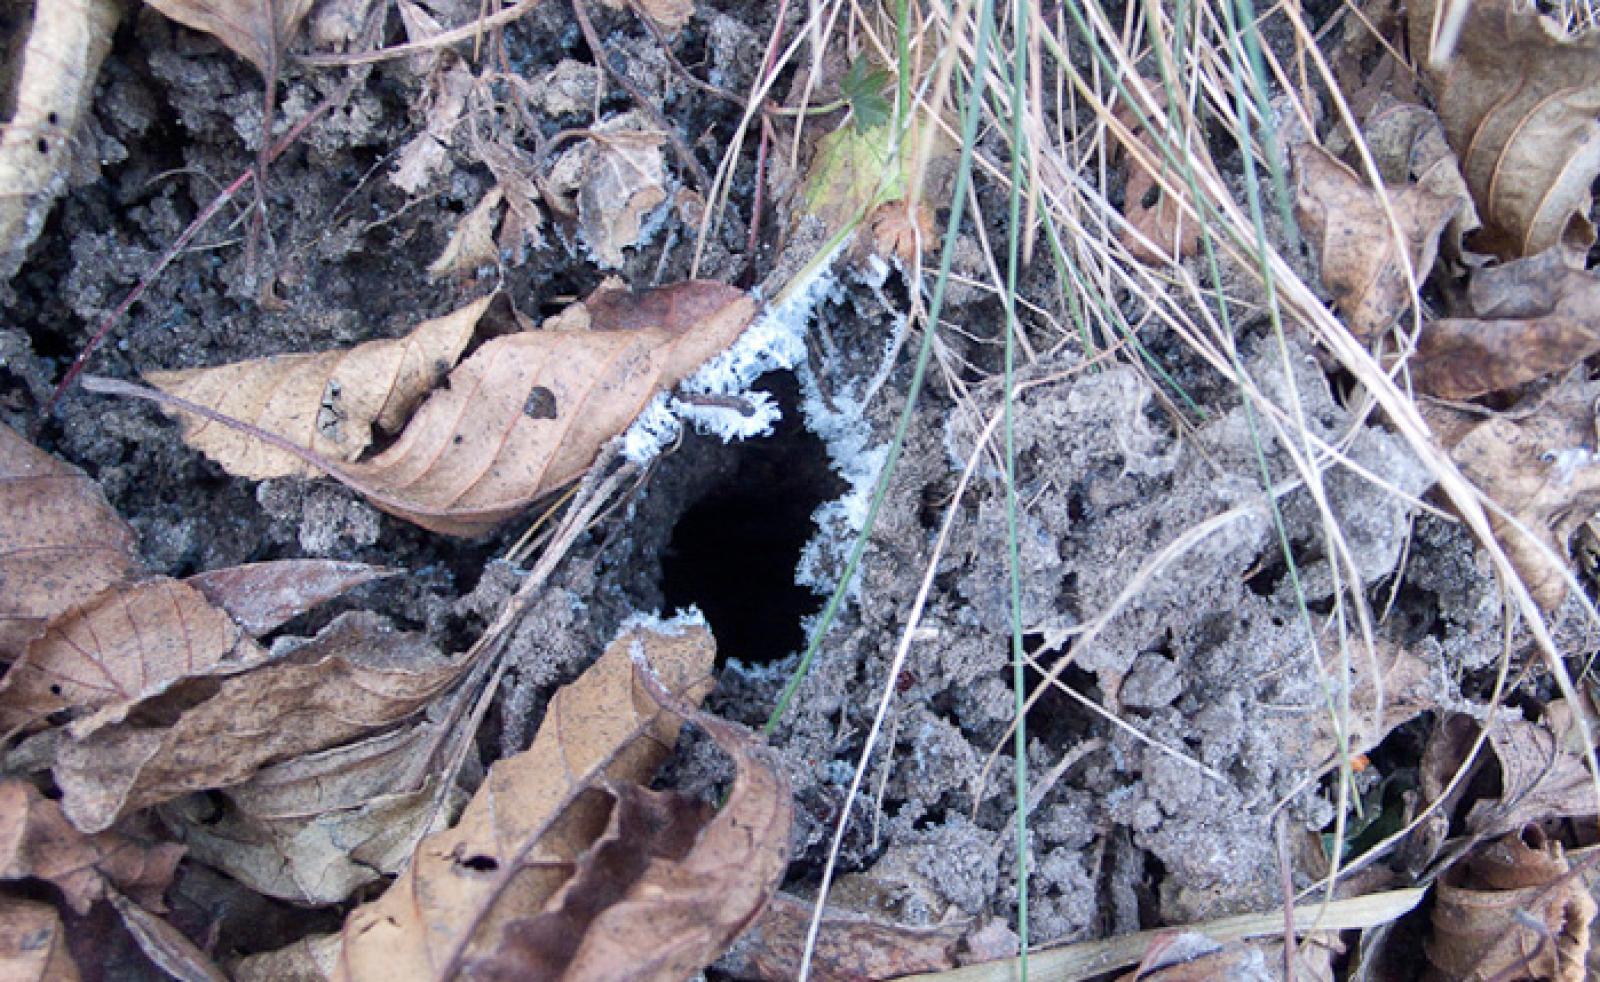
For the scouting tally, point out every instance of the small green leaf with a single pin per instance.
(863, 87)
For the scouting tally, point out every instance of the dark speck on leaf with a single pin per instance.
(541, 403)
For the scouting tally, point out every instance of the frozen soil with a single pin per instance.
(1187, 714)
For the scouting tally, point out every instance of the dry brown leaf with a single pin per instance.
(1538, 470)
(326, 402)
(33, 945)
(1526, 319)
(1361, 263)
(535, 813)
(262, 597)
(48, 93)
(1156, 214)
(60, 542)
(427, 156)
(669, 15)
(166, 947)
(1540, 776)
(256, 30)
(129, 643)
(37, 841)
(664, 891)
(313, 861)
(527, 413)
(850, 946)
(681, 914)
(135, 640)
(356, 676)
(1519, 101)
(898, 230)
(1511, 910)
(472, 244)
(314, 828)
(1408, 147)
(622, 185)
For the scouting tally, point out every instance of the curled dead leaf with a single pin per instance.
(1538, 469)
(356, 676)
(1526, 319)
(1513, 909)
(1150, 203)
(1519, 99)
(327, 402)
(127, 644)
(37, 841)
(515, 845)
(1360, 260)
(1408, 146)
(60, 542)
(256, 30)
(622, 186)
(682, 913)
(1540, 776)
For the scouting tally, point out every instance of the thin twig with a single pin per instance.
(172, 252)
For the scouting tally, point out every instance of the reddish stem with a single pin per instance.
(200, 221)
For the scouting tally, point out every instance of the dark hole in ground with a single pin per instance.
(1056, 717)
(733, 553)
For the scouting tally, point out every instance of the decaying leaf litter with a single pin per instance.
(216, 764)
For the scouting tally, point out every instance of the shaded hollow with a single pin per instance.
(734, 551)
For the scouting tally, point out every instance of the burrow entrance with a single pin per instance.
(734, 551)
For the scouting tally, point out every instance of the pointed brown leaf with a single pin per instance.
(1361, 262)
(261, 597)
(326, 402)
(129, 643)
(136, 639)
(357, 676)
(527, 413)
(1526, 319)
(1519, 100)
(1512, 910)
(60, 542)
(33, 945)
(37, 841)
(256, 30)
(166, 947)
(1540, 776)
(516, 842)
